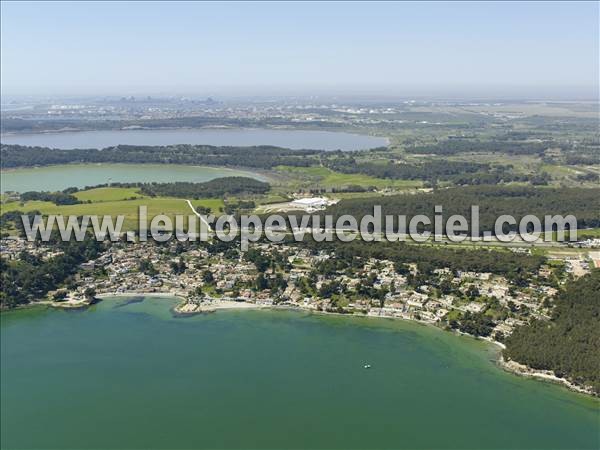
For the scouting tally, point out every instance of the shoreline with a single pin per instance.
(351, 130)
(263, 175)
(512, 367)
(547, 376)
(248, 170)
(138, 294)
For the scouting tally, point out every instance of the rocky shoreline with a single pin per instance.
(187, 307)
(543, 375)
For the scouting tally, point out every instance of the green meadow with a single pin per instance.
(116, 201)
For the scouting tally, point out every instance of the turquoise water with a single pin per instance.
(295, 139)
(129, 375)
(54, 178)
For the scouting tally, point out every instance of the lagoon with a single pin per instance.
(294, 139)
(127, 374)
(57, 178)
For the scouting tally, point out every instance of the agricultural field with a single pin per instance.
(116, 201)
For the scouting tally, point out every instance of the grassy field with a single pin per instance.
(326, 178)
(272, 198)
(589, 233)
(342, 195)
(114, 202)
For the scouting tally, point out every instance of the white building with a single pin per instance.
(311, 204)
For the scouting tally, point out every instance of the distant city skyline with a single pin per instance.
(528, 50)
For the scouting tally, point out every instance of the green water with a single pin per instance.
(130, 376)
(54, 178)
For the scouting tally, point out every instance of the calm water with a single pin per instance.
(131, 376)
(295, 139)
(55, 178)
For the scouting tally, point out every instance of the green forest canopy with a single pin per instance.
(569, 343)
(493, 201)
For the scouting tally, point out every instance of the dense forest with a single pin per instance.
(258, 157)
(429, 170)
(513, 147)
(567, 344)
(218, 187)
(457, 172)
(58, 198)
(30, 277)
(493, 201)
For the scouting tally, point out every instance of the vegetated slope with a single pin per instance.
(568, 344)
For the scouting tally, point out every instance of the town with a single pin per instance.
(208, 276)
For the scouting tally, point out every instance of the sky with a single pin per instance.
(295, 48)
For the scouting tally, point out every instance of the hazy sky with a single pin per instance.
(212, 48)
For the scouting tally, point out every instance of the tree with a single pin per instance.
(261, 283)
(208, 277)
(380, 295)
(327, 290)
(178, 267)
(146, 266)
(196, 292)
(261, 261)
(59, 296)
(472, 292)
(446, 287)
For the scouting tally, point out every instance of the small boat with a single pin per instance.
(367, 366)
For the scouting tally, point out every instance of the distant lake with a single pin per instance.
(128, 375)
(295, 139)
(57, 178)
